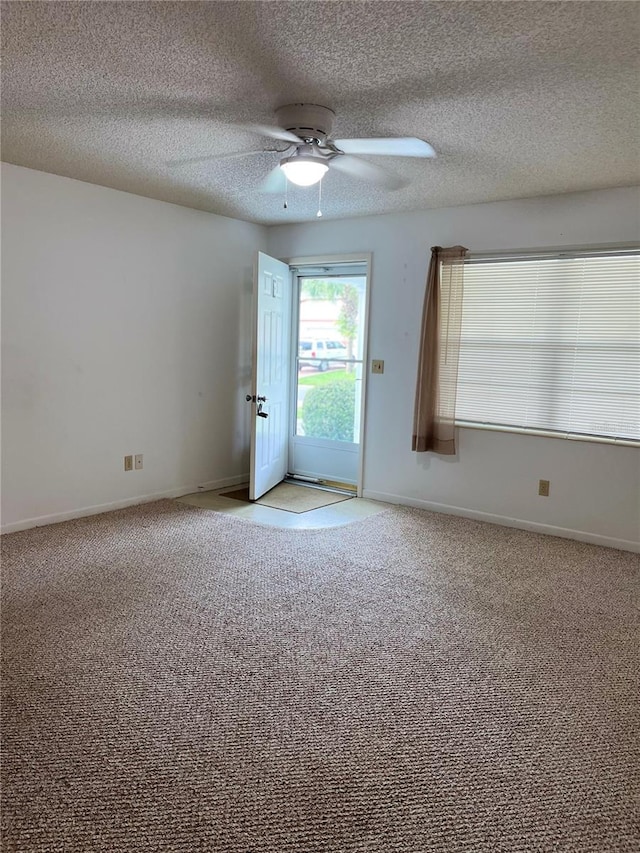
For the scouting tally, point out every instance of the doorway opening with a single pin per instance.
(329, 325)
(308, 372)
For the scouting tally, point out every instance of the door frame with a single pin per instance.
(365, 259)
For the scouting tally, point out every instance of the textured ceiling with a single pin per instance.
(518, 98)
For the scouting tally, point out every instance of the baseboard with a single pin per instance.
(82, 512)
(506, 521)
(240, 479)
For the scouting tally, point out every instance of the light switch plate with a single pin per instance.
(138, 461)
(377, 365)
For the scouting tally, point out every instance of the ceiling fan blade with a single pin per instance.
(275, 182)
(188, 161)
(366, 171)
(405, 146)
(273, 132)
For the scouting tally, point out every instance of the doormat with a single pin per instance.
(290, 497)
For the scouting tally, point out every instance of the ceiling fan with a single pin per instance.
(312, 150)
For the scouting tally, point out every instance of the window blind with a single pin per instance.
(552, 343)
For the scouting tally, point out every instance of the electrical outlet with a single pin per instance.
(543, 488)
(128, 463)
(377, 365)
(138, 461)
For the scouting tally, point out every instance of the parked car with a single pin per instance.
(322, 351)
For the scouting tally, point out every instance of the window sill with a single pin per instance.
(540, 433)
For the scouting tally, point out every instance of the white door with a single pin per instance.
(270, 385)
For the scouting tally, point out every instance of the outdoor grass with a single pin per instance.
(324, 378)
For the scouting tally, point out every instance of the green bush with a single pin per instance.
(328, 410)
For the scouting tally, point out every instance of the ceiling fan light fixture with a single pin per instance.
(304, 170)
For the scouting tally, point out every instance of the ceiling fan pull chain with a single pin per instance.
(319, 213)
(286, 188)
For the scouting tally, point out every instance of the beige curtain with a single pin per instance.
(435, 407)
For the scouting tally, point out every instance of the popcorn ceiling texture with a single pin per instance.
(180, 681)
(518, 98)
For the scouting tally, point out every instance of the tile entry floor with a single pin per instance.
(327, 516)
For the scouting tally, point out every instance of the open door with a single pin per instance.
(269, 396)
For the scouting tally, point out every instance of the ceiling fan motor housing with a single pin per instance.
(307, 121)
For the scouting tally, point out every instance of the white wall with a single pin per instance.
(124, 330)
(595, 488)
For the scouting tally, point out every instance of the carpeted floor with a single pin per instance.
(180, 680)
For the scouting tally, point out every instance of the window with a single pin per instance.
(552, 343)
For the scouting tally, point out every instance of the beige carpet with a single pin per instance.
(184, 681)
(290, 497)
